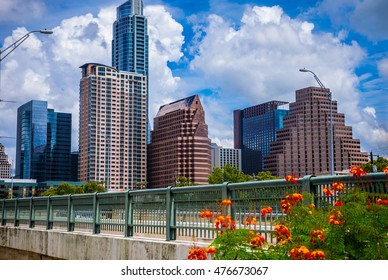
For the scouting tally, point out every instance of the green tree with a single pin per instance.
(380, 163)
(265, 175)
(228, 173)
(94, 186)
(141, 185)
(183, 181)
(63, 189)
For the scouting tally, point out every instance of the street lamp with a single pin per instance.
(16, 44)
(331, 120)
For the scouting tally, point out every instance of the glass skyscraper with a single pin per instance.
(130, 38)
(254, 129)
(43, 143)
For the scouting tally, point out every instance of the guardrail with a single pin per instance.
(173, 212)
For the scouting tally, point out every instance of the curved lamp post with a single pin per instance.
(16, 44)
(331, 120)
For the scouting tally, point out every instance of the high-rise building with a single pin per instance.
(5, 166)
(180, 145)
(113, 127)
(43, 143)
(114, 106)
(302, 146)
(254, 129)
(130, 38)
(223, 156)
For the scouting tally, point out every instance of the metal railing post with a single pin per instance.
(128, 219)
(170, 215)
(96, 215)
(306, 184)
(308, 187)
(16, 220)
(49, 221)
(70, 214)
(3, 221)
(227, 194)
(31, 222)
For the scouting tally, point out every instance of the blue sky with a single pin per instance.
(234, 54)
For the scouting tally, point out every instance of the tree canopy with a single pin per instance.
(183, 181)
(66, 188)
(380, 163)
(228, 173)
(232, 174)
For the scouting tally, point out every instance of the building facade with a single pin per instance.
(302, 146)
(5, 166)
(223, 156)
(130, 38)
(254, 129)
(43, 143)
(180, 145)
(113, 127)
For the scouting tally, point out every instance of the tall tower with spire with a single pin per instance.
(130, 38)
(114, 107)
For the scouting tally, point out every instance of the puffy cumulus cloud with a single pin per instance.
(372, 135)
(82, 39)
(165, 43)
(25, 72)
(47, 67)
(259, 61)
(21, 10)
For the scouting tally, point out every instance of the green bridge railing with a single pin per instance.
(172, 213)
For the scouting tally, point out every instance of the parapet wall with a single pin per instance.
(26, 243)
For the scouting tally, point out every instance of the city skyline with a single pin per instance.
(233, 54)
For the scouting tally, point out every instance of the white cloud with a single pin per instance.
(370, 19)
(21, 10)
(165, 43)
(383, 67)
(370, 110)
(47, 67)
(79, 40)
(367, 17)
(263, 15)
(259, 62)
(373, 136)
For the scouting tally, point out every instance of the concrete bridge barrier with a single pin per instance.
(27, 243)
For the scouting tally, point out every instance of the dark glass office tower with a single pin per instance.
(43, 143)
(130, 38)
(254, 129)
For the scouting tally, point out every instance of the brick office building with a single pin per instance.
(179, 144)
(303, 144)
